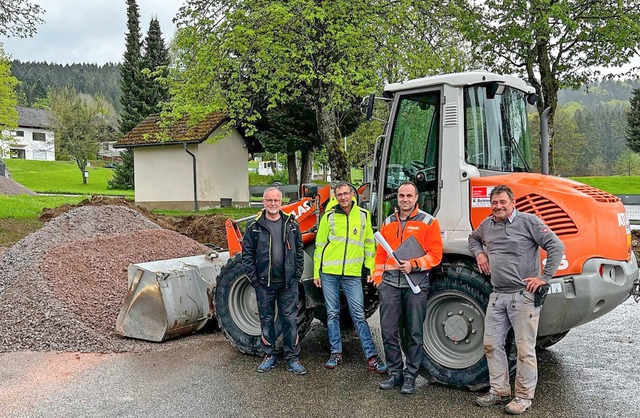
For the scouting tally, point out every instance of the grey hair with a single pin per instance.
(270, 189)
(342, 184)
(502, 188)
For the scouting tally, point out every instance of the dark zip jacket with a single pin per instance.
(257, 250)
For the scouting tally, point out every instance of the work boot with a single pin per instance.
(296, 367)
(517, 406)
(409, 385)
(490, 399)
(334, 361)
(375, 364)
(269, 363)
(393, 381)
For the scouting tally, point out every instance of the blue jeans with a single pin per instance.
(352, 287)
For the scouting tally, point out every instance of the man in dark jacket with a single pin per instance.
(273, 259)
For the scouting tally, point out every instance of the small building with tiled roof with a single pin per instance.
(34, 137)
(187, 166)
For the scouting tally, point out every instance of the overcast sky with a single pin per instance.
(88, 31)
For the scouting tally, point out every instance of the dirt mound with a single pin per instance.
(62, 286)
(206, 229)
(11, 187)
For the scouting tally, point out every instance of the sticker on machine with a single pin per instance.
(556, 288)
(480, 196)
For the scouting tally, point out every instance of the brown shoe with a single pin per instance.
(490, 399)
(517, 406)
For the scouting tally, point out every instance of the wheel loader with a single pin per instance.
(456, 136)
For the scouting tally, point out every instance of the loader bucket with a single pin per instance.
(169, 298)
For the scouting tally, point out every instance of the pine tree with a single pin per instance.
(132, 86)
(156, 64)
(131, 72)
(142, 89)
(633, 122)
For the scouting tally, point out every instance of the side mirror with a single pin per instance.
(308, 190)
(366, 106)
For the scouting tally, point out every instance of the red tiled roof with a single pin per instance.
(149, 131)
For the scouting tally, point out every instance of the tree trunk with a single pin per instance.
(328, 130)
(82, 165)
(306, 166)
(547, 90)
(292, 168)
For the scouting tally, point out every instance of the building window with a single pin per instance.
(19, 133)
(39, 155)
(39, 136)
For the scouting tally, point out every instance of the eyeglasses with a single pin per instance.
(339, 195)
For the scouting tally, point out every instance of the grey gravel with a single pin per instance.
(61, 287)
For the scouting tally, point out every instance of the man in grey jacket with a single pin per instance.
(511, 255)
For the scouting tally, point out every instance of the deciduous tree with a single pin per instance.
(234, 55)
(8, 98)
(553, 44)
(80, 124)
(19, 18)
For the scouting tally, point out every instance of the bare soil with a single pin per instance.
(206, 229)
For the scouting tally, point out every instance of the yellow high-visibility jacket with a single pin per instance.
(344, 243)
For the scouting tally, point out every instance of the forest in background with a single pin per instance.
(590, 123)
(36, 78)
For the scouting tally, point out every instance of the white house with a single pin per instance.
(33, 139)
(182, 167)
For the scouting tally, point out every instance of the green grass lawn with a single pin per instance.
(26, 206)
(618, 185)
(62, 177)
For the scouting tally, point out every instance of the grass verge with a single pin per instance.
(13, 230)
(62, 177)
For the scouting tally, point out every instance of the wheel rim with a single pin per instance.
(243, 307)
(454, 330)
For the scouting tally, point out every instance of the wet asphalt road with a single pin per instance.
(593, 372)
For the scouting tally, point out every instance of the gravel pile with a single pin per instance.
(8, 186)
(61, 288)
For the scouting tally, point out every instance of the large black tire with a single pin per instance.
(237, 310)
(549, 340)
(454, 328)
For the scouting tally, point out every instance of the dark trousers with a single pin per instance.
(397, 303)
(287, 300)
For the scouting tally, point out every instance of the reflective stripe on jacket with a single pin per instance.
(419, 224)
(344, 243)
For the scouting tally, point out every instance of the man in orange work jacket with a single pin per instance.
(396, 297)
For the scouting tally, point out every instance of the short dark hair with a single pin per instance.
(502, 188)
(406, 183)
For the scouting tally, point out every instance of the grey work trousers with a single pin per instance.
(507, 310)
(396, 304)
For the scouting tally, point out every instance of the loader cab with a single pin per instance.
(411, 153)
(444, 130)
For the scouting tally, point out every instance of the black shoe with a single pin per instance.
(392, 382)
(409, 385)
